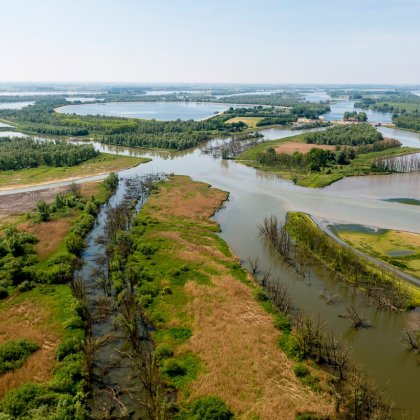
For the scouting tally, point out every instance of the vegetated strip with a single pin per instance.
(212, 337)
(381, 286)
(42, 309)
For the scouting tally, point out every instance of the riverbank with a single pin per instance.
(213, 337)
(381, 286)
(43, 175)
(360, 165)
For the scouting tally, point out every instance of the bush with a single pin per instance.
(174, 368)
(14, 353)
(260, 295)
(74, 243)
(3, 293)
(301, 370)
(67, 347)
(182, 333)
(210, 408)
(16, 403)
(163, 351)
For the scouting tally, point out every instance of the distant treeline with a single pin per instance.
(41, 118)
(27, 153)
(349, 135)
(293, 101)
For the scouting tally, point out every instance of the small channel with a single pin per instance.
(116, 388)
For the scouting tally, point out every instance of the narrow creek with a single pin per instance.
(116, 386)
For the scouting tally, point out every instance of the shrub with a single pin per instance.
(3, 293)
(67, 347)
(18, 402)
(210, 408)
(301, 370)
(174, 368)
(183, 333)
(14, 353)
(260, 295)
(74, 243)
(163, 351)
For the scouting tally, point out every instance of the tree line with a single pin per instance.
(349, 135)
(24, 153)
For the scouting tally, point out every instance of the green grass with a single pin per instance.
(361, 165)
(102, 164)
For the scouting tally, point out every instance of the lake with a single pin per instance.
(163, 111)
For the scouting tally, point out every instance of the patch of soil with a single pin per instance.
(292, 147)
(49, 234)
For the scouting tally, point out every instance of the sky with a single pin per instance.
(217, 41)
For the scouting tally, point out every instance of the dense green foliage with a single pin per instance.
(349, 135)
(17, 256)
(280, 120)
(355, 116)
(14, 353)
(408, 121)
(313, 161)
(23, 153)
(207, 408)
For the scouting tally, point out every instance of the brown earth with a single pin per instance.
(292, 147)
(27, 320)
(49, 234)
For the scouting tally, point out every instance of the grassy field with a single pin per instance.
(38, 315)
(103, 164)
(361, 165)
(209, 326)
(251, 122)
(44, 314)
(397, 248)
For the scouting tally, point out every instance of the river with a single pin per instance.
(255, 194)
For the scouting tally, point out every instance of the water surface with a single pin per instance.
(164, 111)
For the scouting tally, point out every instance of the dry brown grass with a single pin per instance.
(89, 189)
(292, 147)
(237, 341)
(49, 234)
(184, 199)
(27, 320)
(232, 334)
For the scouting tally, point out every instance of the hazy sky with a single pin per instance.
(267, 41)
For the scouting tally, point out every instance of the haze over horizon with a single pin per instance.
(137, 41)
